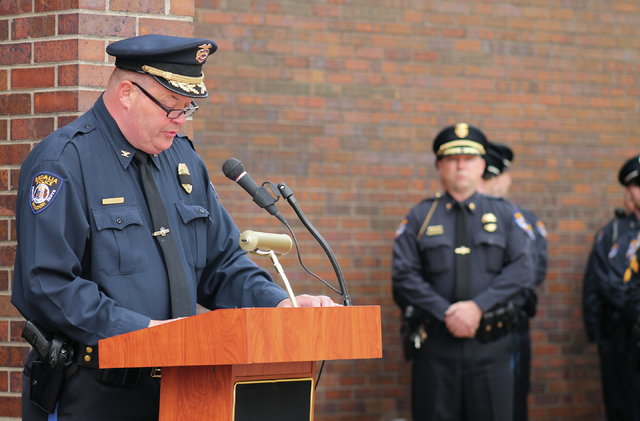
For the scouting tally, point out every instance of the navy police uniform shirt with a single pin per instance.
(538, 233)
(86, 262)
(611, 257)
(423, 271)
(632, 293)
(605, 244)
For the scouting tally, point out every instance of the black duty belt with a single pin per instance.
(87, 356)
(494, 324)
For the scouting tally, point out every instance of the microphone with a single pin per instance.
(234, 171)
(261, 241)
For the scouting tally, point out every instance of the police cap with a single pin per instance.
(495, 161)
(630, 171)
(460, 139)
(507, 154)
(176, 63)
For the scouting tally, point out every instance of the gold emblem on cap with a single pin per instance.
(490, 227)
(203, 53)
(184, 170)
(489, 217)
(461, 130)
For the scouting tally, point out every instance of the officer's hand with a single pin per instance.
(463, 318)
(309, 301)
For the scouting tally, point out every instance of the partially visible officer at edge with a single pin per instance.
(496, 181)
(119, 228)
(458, 259)
(603, 299)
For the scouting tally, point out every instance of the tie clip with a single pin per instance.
(462, 250)
(163, 231)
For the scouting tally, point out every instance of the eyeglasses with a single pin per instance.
(171, 112)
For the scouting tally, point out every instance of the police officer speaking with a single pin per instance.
(119, 228)
(458, 258)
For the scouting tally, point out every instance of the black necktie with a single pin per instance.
(180, 301)
(462, 255)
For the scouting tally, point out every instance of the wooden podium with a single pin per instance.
(207, 359)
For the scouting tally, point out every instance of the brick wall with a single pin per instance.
(340, 100)
(53, 66)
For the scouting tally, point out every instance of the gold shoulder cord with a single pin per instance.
(427, 219)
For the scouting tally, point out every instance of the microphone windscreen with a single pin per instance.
(232, 168)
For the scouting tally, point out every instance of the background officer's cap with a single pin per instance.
(176, 63)
(496, 161)
(461, 139)
(630, 171)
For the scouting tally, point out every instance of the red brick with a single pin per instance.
(39, 77)
(3, 130)
(166, 27)
(14, 104)
(91, 50)
(15, 7)
(4, 29)
(49, 102)
(53, 51)
(12, 54)
(96, 76)
(3, 80)
(54, 5)
(14, 154)
(182, 7)
(68, 24)
(31, 128)
(33, 27)
(137, 6)
(68, 75)
(10, 406)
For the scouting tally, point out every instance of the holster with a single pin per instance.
(48, 374)
(531, 303)
(412, 332)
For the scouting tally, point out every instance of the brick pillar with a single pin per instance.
(53, 66)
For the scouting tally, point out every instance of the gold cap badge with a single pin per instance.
(203, 52)
(461, 130)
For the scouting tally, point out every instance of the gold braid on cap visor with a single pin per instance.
(186, 83)
(461, 147)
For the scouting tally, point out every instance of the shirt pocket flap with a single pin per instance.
(436, 242)
(490, 240)
(191, 212)
(116, 217)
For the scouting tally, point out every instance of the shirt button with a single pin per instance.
(201, 210)
(119, 221)
(86, 126)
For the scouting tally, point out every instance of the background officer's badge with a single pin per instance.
(522, 223)
(401, 228)
(633, 247)
(44, 188)
(613, 251)
(184, 176)
(461, 130)
(633, 268)
(489, 222)
(541, 229)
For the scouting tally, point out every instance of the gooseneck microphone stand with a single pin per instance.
(287, 193)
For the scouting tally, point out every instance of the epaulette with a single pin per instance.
(187, 139)
(438, 195)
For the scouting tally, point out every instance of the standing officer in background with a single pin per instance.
(119, 229)
(458, 259)
(604, 299)
(496, 181)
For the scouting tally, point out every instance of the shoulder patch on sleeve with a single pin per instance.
(401, 228)
(44, 188)
(541, 229)
(524, 225)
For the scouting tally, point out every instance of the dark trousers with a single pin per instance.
(84, 398)
(521, 371)
(463, 380)
(618, 370)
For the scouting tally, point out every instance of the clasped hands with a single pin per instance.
(463, 319)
